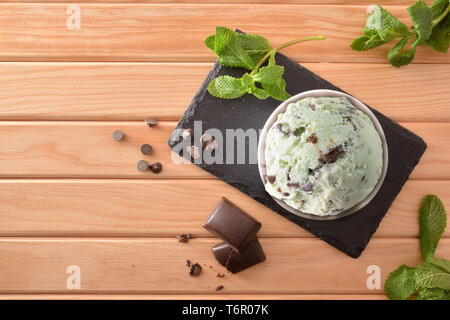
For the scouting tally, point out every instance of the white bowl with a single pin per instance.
(322, 93)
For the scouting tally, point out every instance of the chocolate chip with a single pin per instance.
(156, 167)
(151, 122)
(292, 184)
(184, 237)
(193, 151)
(195, 270)
(146, 149)
(312, 139)
(288, 176)
(286, 194)
(220, 275)
(142, 165)
(205, 140)
(118, 135)
(332, 155)
(271, 179)
(307, 187)
(219, 288)
(187, 134)
(188, 263)
(279, 189)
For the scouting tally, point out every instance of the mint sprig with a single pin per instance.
(432, 278)
(251, 52)
(431, 26)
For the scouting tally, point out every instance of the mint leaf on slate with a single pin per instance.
(433, 294)
(440, 38)
(227, 87)
(277, 90)
(269, 74)
(433, 221)
(229, 50)
(429, 276)
(421, 17)
(399, 57)
(401, 283)
(255, 45)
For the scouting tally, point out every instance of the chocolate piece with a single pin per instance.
(195, 270)
(220, 275)
(156, 167)
(236, 262)
(142, 165)
(271, 179)
(312, 139)
(219, 288)
(188, 263)
(146, 149)
(151, 122)
(118, 135)
(232, 225)
(332, 155)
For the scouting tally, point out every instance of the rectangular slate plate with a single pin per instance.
(350, 234)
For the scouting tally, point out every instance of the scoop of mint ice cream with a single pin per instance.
(323, 156)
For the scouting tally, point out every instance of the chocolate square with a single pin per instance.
(236, 262)
(350, 234)
(232, 225)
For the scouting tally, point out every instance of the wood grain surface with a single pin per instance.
(70, 195)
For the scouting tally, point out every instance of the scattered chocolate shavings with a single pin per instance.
(219, 288)
(195, 270)
(185, 237)
(271, 179)
(312, 139)
(332, 155)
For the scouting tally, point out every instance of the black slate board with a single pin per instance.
(350, 234)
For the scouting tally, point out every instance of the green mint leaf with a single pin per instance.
(260, 93)
(437, 7)
(421, 17)
(272, 61)
(433, 221)
(385, 25)
(368, 41)
(227, 87)
(429, 276)
(229, 50)
(440, 37)
(400, 283)
(256, 46)
(269, 74)
(399, 57)
(277, 89)
(210, 42)
(441, 263)
(433, 294)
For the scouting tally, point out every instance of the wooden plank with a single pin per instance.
(68, 149)
(158, 266)
(214, 296)
(164, 208)
(133, 91)
(175, 32)
(278, 2)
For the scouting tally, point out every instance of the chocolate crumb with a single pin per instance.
(219, 288)
(279, 189)
(184, 237)
(188, 263)
(146, 149)
(307, 187)
(195, 270)
(156, 167)
(286, 194)
(220, 275)
(292, 184)
(312, 139)
(142, 165)
(271, 179)
(151, 122)
(118, 135)
(332, 155)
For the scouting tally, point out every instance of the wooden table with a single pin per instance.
(70, 195)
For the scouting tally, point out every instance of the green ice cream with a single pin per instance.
(323, 156)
